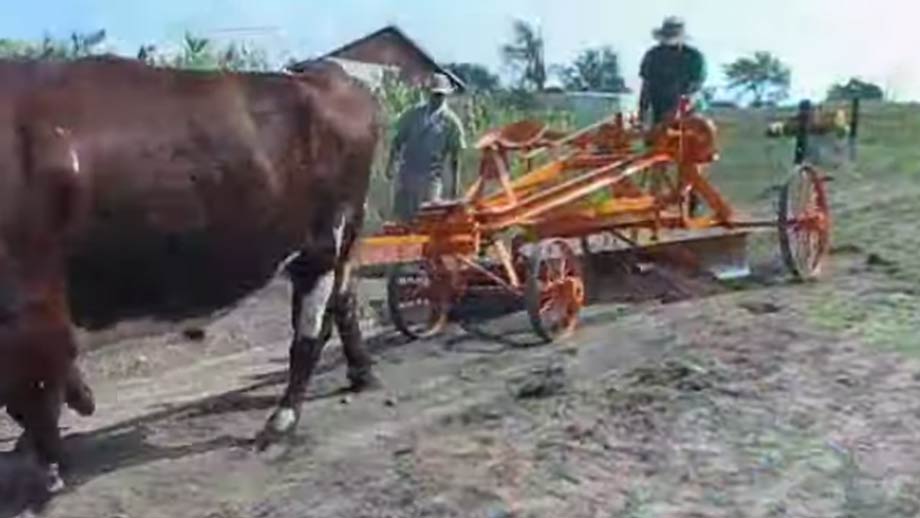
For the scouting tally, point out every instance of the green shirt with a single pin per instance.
(670, 71)
(425, 139)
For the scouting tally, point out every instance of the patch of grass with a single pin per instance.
(637, 505)
(838, 313)
(875, 208)
(885, 319)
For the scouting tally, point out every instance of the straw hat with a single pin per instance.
(672, 30)
(440, 84)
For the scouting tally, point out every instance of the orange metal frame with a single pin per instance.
(610, 177)
(647, 190)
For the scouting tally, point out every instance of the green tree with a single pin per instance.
(202, 54)
(477, 77)
(86, 44)
(855, 88)
(242, 57)
(17, 49)
(709, 94)
(147, 54)
(525, 54)
(595, 69)
(77, 46)
(762, 76)
(196, 54)
(396, 96)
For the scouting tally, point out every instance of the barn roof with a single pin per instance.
(409, 42)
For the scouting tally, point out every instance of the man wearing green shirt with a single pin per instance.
(427, 148)
(669, 70)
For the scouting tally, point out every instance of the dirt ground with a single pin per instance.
(732, 405)
(762, 399)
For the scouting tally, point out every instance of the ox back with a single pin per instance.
(190, 187)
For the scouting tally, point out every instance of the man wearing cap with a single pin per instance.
(669, 70)
(427, 146)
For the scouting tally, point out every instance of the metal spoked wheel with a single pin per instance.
(418, 299)
(555, 290)
(804, 222)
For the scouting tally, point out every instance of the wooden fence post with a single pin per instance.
(801, 132)
(854, 127)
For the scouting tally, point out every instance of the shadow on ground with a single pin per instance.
(127, 444)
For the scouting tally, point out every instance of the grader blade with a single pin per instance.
(716, 252)
(722, 256)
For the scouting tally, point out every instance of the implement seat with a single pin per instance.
(526, 134)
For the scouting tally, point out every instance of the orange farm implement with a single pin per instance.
(519, 233)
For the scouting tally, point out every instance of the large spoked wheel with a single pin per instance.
(555, 290)
(804, 222)
(418, 297)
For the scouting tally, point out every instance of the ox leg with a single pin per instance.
(311, 331)
(344, 309)
(38, 411)
(313, 275)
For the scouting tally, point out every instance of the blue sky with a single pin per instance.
(823, 40)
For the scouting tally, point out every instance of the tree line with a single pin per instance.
(760, 79)
(194, 52)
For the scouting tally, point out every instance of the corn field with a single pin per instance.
(478, 112)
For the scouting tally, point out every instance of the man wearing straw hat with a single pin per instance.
(427, 146)
(669, 70)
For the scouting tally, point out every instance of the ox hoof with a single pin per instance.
(55, 482)
(281, 423)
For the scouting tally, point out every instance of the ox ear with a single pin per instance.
(52, 168)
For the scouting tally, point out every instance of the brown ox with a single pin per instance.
(127, 190)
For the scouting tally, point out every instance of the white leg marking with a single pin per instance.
(71, 152)
(74, 162)
(55, 482)
(313, 307)
(346, 277)
(338, 234)
(283, 420)
(286, 262)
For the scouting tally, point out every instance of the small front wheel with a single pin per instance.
(804, 222)
(418, 299)
(555, 290)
